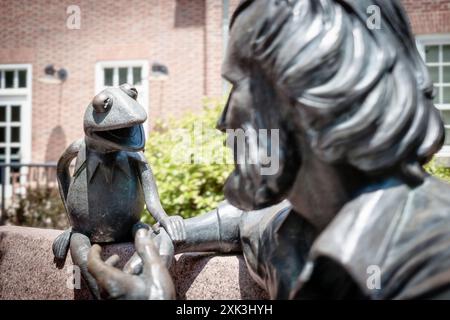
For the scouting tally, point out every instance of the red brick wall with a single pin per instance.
(185, 35)
(172, 32)
(429, 16)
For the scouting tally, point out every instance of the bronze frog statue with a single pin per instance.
(105, 196)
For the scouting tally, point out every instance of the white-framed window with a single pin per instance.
(15, 117)
(435, 50)
(115, 73)
(14, 79)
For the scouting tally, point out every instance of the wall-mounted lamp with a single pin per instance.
(53, 75)
(159, 71)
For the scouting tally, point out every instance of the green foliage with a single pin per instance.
(190, 162)
(39, 208)
(438, 171)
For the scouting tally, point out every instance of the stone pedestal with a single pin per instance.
(27, 270)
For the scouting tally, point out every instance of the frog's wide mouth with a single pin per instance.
(127, 138)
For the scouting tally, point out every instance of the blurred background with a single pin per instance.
(56, 55)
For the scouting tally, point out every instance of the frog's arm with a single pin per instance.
(150, 189)
(174, 225)
(62, 170)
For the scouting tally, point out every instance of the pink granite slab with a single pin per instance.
(27, 270)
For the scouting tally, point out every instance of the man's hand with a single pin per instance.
(153, 283)
(174, 225)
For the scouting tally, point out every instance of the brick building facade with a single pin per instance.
(120, 40)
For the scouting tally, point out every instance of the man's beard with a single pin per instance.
(248, 189)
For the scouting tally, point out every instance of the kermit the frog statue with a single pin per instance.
(111, 182)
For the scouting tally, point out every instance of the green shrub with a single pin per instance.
(190, 162)
(438, 171)
(39, 208)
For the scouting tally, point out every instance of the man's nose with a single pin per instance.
(222, 122)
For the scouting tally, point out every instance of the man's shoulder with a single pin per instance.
(401, 231)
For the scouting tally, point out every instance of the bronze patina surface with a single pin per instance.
(354, 108)
(111, 182)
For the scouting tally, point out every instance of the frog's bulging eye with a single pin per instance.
(102, 102)
(129, 90)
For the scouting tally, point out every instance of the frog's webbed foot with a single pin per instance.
(79, 250)
(61, 245)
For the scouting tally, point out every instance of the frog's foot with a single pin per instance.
(79, 250)
(61, 245)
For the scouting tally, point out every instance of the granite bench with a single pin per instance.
(28, 270)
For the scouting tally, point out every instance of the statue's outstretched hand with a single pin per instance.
(153, 283)
(174, 225)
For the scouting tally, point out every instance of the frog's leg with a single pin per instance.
(79, 250)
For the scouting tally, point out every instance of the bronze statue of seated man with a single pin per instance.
(356, 120)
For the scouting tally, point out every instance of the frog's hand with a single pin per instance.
(62, 170)
(61, 244)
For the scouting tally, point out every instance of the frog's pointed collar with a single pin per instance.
(107, 164)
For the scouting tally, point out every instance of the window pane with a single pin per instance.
(2, 155)
(15, 113)
(15, 134)
(22, 78)
(446, 53)
(434, 74)
(432, 53)
(123, 75)
(109, 74)
(137, 75)
(437, 91)
(14, 169)
(446, 72)
(446, 116)
(2, 113)
(446, 95)
(3, 134)
(15, 153)
(9, 79)
(447, 137)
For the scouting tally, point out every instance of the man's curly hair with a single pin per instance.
(364, 95)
